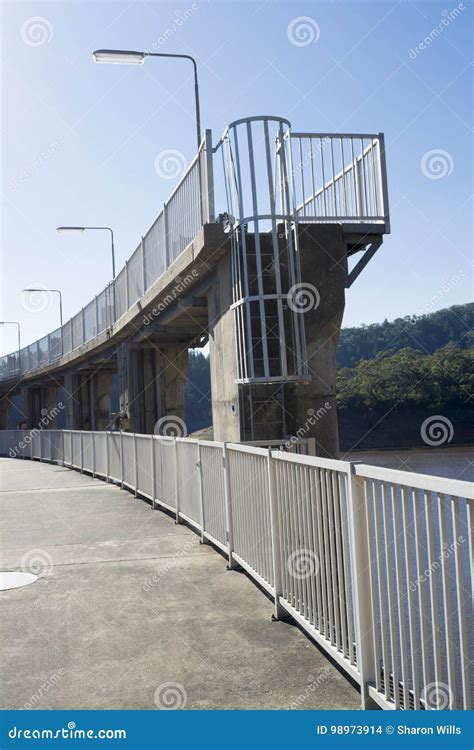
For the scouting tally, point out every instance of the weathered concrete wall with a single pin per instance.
(307, 408)
(222, 356)
(102, 405)
(323, 260)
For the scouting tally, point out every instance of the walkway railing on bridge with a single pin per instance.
(326, 178)
(374, 564)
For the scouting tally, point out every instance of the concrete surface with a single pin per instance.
(128, 602)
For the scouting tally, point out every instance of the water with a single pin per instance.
(455, 462)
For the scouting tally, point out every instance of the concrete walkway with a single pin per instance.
(131, 612)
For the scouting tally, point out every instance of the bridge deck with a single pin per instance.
(129, 601)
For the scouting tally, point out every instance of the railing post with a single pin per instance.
(143, 265)
(126, 286)
(201, 494)
(311, 446)
(71, 442)
(83, 320)
(228, 507)
(121, 459)
(135, 464)
(362, 585)
(82, 450)
(153, 472)
(208, 215)
(383, 177)
(41, 444)
(96, 316)
(93, 452)
(275, 529)
(107, 457)
(176, 478)
(166, 238)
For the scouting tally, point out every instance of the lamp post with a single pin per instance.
(14, 323)
(129, 57)
(83, 229)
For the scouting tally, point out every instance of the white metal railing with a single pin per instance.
(339, 177)
(374, 564)
(187, 209)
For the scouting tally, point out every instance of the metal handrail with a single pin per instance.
(375, 564)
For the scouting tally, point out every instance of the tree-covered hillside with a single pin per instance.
(408, 379)
(425, 333)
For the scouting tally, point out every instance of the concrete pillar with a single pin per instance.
(323, 259)
(223, 357)
(152, 385)
(128, 388)
(71, 401)
(276, 410)
(172, 373)
(5, 405)
(102, 401)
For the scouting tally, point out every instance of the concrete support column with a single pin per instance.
(323, 259)
(5, 405)
(223, 357)
(172, 373)
(278, 410)
(102, 402)
(152, 385)
(71, 401)
(128, 387)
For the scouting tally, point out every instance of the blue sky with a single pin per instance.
(80, 140)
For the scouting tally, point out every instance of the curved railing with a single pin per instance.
(183, 214)
(374, 564)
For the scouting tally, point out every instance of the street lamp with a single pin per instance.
(61, 230)
(129, 57)
(14, 323)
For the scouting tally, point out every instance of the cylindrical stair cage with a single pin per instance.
(265, 269)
